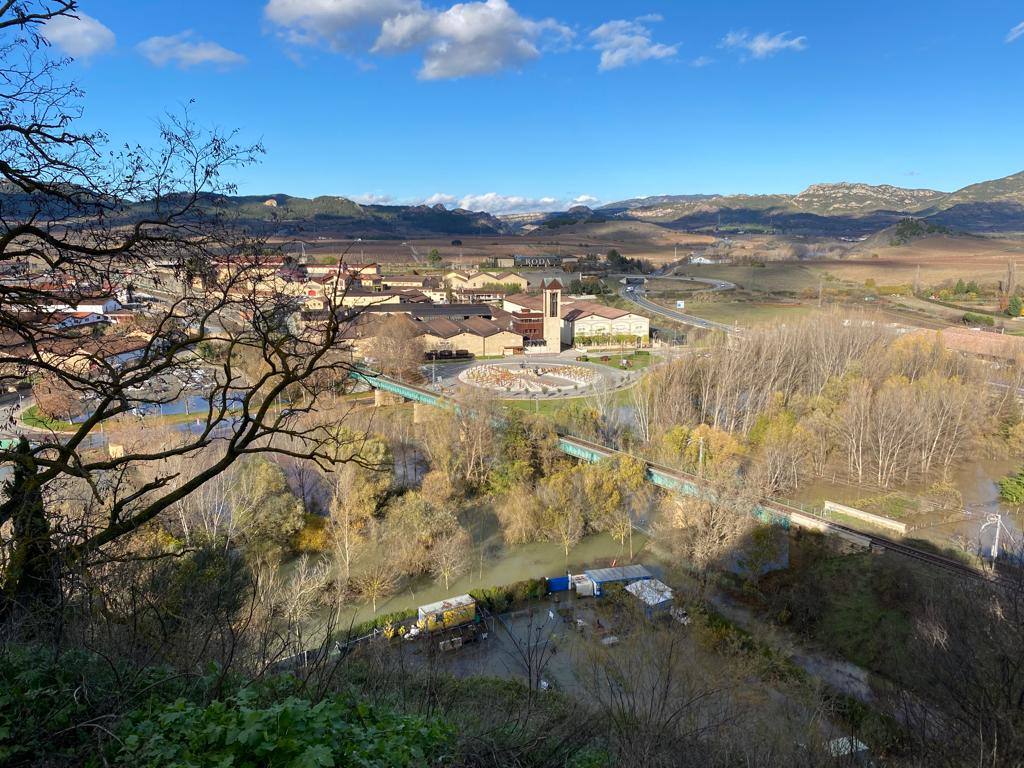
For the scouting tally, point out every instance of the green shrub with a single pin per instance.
(250, 729)
(501, 599)
(45, 699)
(1011, 488)
(79, 709)
(973, 318)
(378, 622)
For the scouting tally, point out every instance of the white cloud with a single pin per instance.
(372, 198)
(82, 37)
(440, 197)
(702, 61)
(475, 38)
(182, 51)
(623, 42)
(492, 202)
(337, 23)
(1016, 32)
(469, 38)
(763, 45)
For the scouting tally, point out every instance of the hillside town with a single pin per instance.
(364, 401)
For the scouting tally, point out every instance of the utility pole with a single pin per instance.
(995, 519)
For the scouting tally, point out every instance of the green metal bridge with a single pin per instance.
(578, 448)
(771, 512)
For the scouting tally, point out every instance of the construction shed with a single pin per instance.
(583, 586)
(446, 614)
(626, 574)
(655, 595)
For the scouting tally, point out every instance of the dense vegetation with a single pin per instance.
(913, 229)
(78, 708)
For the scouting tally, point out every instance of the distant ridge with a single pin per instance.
(990, 206)
(841, 208)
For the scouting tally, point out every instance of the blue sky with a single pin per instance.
(522, 104)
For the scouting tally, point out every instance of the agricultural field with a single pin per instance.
(747, 313)
(941, 259)
(781, 277)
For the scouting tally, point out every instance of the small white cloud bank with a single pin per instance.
(372, 198)
(492, 202)
(489, 202)
(623, 43)
(1015, 33)
(441, 198)
(763, 44)
(496, 203)
(185, 52)
(81, 37)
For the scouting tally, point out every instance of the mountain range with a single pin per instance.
(839, 209)
(990, 206)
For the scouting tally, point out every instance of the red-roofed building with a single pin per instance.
(577, 319)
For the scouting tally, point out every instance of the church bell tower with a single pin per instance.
(553, 315)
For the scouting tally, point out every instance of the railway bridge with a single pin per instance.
(768, 511)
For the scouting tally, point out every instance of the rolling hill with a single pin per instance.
(835, 209)
(848, 208)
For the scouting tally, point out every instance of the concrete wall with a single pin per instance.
(859, 514)
(481, 346)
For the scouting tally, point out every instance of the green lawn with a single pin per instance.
(549, 407)
(32, 417)
(746, 313)
(543, 407)
(638, 361)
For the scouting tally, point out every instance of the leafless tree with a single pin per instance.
(703, 529)
(377, 582)
(397, 348)
(658, 711)
(963, 696)
(78, 220)
(450, 558)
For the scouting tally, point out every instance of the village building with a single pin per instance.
(462, 281)
(577, 321)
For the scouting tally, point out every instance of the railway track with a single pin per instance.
(657, 474)
(813, 521)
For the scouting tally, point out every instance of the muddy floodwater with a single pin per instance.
(977, 484)
(503, 565)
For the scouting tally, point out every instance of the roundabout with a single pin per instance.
(531, 378)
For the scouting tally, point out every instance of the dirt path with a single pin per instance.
(843, 676)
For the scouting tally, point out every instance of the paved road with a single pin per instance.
(636, 296)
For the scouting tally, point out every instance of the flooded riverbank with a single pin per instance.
(964, 526)
(501, 566)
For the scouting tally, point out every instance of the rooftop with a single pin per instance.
(571, 309)
(460, 601)
(651, 592)
(622, 573)
(435, 310)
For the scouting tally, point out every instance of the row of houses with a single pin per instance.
(68, 325)
(523, 323)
